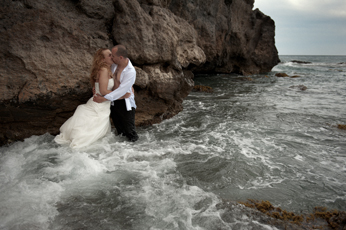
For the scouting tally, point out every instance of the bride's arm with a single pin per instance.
(127, 95)
(103, 81)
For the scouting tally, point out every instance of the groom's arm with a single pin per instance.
(124, 87)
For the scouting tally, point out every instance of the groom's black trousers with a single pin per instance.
(123, 120)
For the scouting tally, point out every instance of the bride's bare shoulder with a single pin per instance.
(104, 73)
(104, 69)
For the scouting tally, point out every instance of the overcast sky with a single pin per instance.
(307, 27)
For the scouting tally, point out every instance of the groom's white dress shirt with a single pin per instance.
(127, 79)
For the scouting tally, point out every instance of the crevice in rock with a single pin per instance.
(228, 2)
(109, 28)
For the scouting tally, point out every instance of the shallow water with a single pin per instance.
(260, 139)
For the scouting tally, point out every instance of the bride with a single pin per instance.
(90, 121)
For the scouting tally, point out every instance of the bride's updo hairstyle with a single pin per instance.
(97, 65)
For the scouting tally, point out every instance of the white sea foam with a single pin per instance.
(298, 157)
(37, 179)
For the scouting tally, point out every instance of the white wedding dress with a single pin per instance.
(89, 122)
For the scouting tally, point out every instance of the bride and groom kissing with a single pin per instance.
(112, 77)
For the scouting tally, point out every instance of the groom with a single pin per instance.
(123, 110)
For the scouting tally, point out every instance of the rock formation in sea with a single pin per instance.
(47, 48)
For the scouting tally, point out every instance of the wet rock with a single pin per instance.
(263, 216)
(246, 79)
(286, 75)
(301, 62)
(202, 88)
(341, 126)
(264, 212)
(300, 87)
(281, 75)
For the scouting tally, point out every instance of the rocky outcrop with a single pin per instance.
(301, 62)
(234, 37)
(46, 48)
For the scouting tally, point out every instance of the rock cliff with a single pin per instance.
(46, 49)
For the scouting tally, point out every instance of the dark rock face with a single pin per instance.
(46, 49)
(233, 37)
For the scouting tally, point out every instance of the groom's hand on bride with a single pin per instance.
(99, 98)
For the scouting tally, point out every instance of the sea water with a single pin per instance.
(259, 137)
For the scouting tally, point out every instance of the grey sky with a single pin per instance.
(307, 27)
